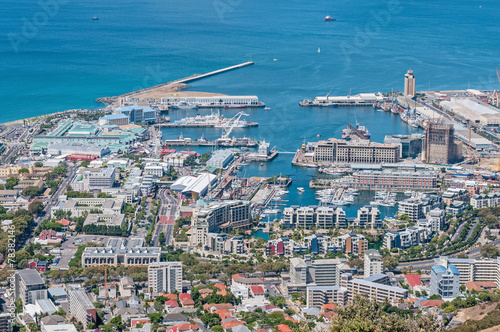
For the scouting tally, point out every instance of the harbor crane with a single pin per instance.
(230, 124)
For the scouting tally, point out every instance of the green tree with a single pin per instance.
(390, 262)
(35, 207)
(490, 250)
(11, 182)
(23, 170)
(32, 191)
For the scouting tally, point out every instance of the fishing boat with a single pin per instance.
(235, 106)
(300, 190)
(328, 18)
(95, 18)
(267, 108)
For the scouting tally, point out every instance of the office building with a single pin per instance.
(368, 217)
(374, 287)
(81, 307)
(440, 146)
(118, 119)
(410, 145)
(410, 83)
(29, 286)
(306, 272)
(221, 158)
(165, 277)
(222, 244)
(122, 252)
(390, 179)
(445, 281)
(219, 217)
(373, 263)
(89, 179)
(363, 151)
(80, 206)
(313, 216)
(138, 113)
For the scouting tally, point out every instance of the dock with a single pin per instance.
(199, 125)
(180, 142)
(362, 99)
(254, 157)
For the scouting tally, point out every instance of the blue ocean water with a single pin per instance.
(54, 57)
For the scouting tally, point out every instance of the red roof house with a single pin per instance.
(432, 303)
(257, 291)
(186, 301)
(413, 280)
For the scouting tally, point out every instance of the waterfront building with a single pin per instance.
(473, 110)
(445, 281)
(398, 180)
(373, 263)
(306, 272)
(375, 287)
(29, 286)
(410, 145)
(347, 152)
(411, 236)
(194, 186)
(264, 149)
(219, 217)
(139, 113)
(413, 208)
(351, 244)
(165, 277)
(440, 146)
(80, 306)
(318, 296)
(410, 83)
(316, 244)
(368, 216)
(214, 101)
(89, 179)
(313, 216)
(220, 158)
(480, 201)
(118, 119)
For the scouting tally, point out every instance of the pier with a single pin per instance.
(188, 142)
(179, 82)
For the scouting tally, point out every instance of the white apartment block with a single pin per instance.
(319, 295)
(368, 217)
(474, 269)
(373, 263)
(373, 287)
(320, 217)
(480, 201)
(80, 306)
(165, 277)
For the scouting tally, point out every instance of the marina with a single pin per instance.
(213, 120)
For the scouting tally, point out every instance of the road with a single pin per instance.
(167, 215)
(48, 203)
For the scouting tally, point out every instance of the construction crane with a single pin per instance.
(230, 125)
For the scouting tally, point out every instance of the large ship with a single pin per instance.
(358, 131)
